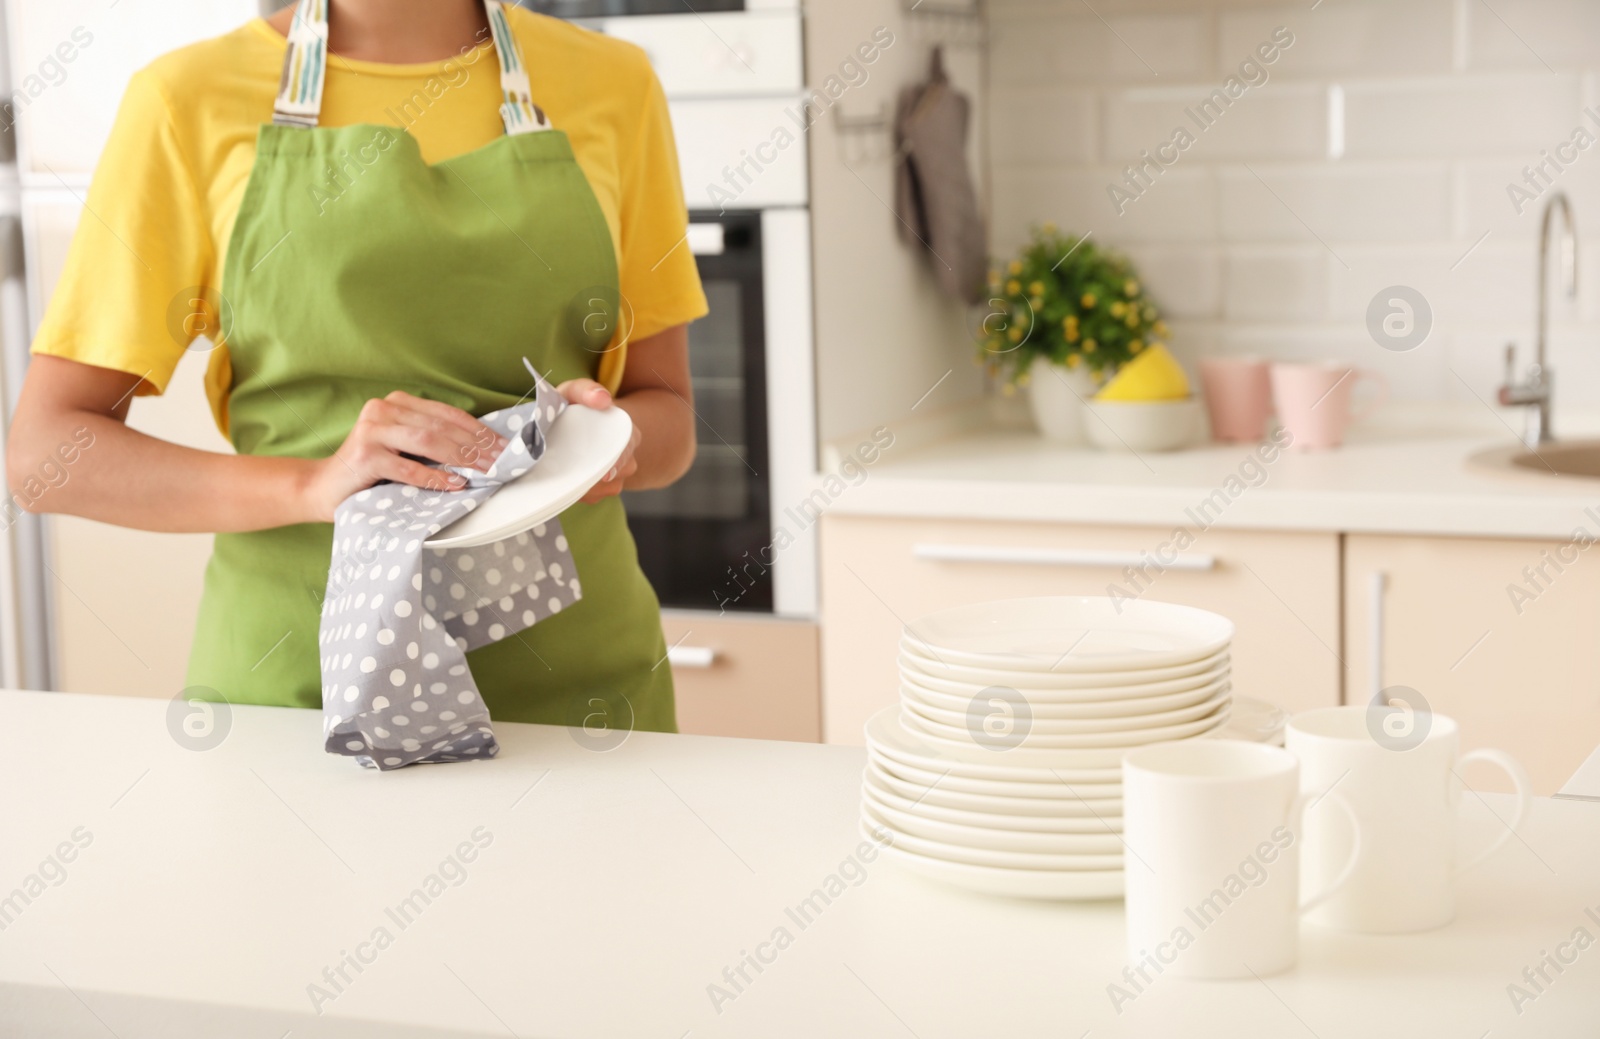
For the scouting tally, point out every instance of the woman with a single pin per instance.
(408, 226)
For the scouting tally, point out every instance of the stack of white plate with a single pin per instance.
(1000, 768)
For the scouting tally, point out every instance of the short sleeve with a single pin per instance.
(657, 269)
(141, 256)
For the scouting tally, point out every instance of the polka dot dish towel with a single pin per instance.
(399, 618)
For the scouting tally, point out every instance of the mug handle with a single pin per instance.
(1519, 779)
(1380, 399)
(1298, 814)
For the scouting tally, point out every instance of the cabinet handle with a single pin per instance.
(1059, 557)
(691, 656)
(1377, 585)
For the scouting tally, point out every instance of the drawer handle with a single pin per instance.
(691, 656)
(1060, 557)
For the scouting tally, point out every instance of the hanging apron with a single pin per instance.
(354, 269)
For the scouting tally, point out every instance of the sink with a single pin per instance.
(1569, 458)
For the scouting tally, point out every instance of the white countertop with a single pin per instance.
(217, 885)
(1405, 474)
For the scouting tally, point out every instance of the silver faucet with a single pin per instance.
(1534, 391)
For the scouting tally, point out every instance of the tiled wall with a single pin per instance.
(1377, 152)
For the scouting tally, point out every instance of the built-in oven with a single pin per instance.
(705, 542)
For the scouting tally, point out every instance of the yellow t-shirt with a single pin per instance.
(165, 193)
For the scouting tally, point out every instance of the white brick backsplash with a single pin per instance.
(1257, 240)
(1495, 283)
(1488, 115)
(1533, 34)
(1346, 39)
(1424, 268)
(1274, 285)
(1272, 121)
(1339, 202)
(1487, 206)
(1042, 124)
(1079, 47)
(1187, 283)
(1179, 207)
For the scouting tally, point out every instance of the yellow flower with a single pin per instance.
(1089, 346)
(1073, 360)
(1016, 267)
(1049, 227)
(1133, 320)
(1159, 328)
(1037, 302)
(1024, 378)
(1072, 333)
(1037, 288)
(1118, 308)
(1013, 287)
(994, 278)
(1014, 334)
(1008, 389)
(1135, 346)
(1087, 300)
(1130, 287)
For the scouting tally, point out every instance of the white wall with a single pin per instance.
(1263, 237)
(884, 334)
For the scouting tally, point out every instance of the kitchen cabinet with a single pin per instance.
(1280, 589)
(1496, 633)
(738, 675)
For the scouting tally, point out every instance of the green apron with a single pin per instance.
(355, 269)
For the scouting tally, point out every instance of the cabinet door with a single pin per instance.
(1486, 638)
(749, 676)
(1280, 590)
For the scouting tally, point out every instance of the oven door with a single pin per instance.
(706, 541)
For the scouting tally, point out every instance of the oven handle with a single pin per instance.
(707, 239)
(698, 657)
(1059, 557)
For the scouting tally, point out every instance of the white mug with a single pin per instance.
(1212, 863)
(1405, 788)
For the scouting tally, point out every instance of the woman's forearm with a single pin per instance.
(666, 424)
(87, 464)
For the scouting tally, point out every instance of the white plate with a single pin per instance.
(1106, 787)
(583, 444)
(1084, 750)
(1044, 708)
(1071, 633)
(1202, 703)
(950, 677)
(896, 742)
(1047, 885)
(987, 838)
(991, 813)
(872, 816)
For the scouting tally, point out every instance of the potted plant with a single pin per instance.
(1064, 316)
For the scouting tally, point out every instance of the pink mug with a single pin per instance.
(1238, 394)
(1314, 400)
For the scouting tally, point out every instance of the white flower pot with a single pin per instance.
(1057, 395)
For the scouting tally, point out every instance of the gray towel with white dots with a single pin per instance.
(399, 617)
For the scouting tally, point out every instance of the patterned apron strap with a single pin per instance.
(305, 66)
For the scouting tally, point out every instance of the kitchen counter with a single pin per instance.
(1406, 472)
(581, 888)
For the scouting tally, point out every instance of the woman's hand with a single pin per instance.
(400, 423)
(593, 395)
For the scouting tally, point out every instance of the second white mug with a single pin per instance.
(1404, 787)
